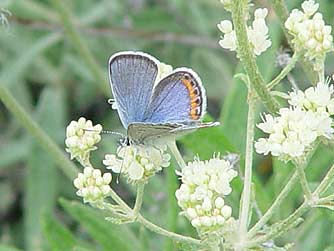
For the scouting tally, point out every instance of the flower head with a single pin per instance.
(92, 185)
(201, 194)
(257, 33)
(137, 162)
(81, 137)
(292, 133)
(309, 31)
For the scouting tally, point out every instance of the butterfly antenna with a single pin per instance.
(114, 133)
(107, 132)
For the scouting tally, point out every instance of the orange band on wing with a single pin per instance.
(194, 111)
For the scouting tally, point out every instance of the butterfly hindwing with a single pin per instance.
(179, 97)
(132, 76)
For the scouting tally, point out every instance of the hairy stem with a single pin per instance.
(245, 52)
(177, 155)
(326, 182)
(246, 193)
(139, 199)
(303, 180)
(42, 138)
(79, 45)
(273, 208)
(159, 230)
(284, 72)
(151, 226)
(282, 195)
(277, 230)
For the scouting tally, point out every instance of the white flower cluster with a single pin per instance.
(310, 33)
(81, 137)
(92, 186)
(137, 162)
(201, 194)
(257, 33)
(292, 133)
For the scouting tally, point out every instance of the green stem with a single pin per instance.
(273, 208)
(43, 139)
(171, 207)
(325, 199)
(325, 183)
(246, 193)
(282, 195)
(79, 45)
(139, 199)
(303, 181)
(284, 72)
(277, 230)
(177, 155)
(245, 52)
(151, 226)
(159, 230)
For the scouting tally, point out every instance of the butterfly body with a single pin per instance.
(151, 108)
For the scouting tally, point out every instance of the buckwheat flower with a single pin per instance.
(317, 99)
(81, 138)
(309, 31)
(257, 33)
(292, 133)
(137, 162)
(310, 7)
(201, 194)
(92, 186)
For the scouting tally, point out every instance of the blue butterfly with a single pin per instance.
(152, 110)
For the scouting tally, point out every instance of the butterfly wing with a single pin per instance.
(132, 76)
(143, 133)
(177, 98)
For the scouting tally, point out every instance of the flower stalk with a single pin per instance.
(303, 180)
(149, 225)
(176, 153)
(239, 11)
(285, 71)
(246, 194)
(326, 182)
(139, 199)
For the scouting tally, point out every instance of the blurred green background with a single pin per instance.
(50, 78)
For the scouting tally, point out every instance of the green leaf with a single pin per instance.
(57, 235)
(205, 142)
(41, 176)
(111, 237)
(234, 115)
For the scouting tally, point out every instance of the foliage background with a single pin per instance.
(43, 70)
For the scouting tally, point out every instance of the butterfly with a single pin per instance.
(151, 109)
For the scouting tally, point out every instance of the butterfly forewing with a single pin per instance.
(132, 76)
